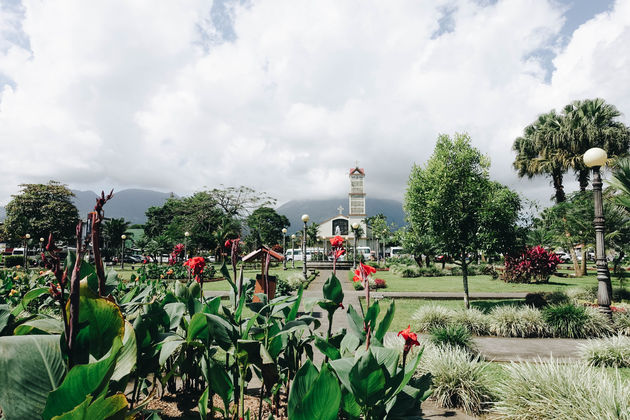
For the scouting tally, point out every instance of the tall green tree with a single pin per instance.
(555, 143)
(113, 229)
(593, 123)
(41, 209)
(451, 199)
(265, 226)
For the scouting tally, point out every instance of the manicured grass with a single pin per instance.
(405, 308)
(478, 284)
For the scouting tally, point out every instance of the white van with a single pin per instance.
(396, 251)
(294, 254)
(365, 251)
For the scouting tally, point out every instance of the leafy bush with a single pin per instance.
(489, 270)
(573, 321)
(620, 293)
(452, 336)
(409, 271)
(401, 260)
(379, 284)
(475, 320)
(432, 316)
(457, 380)
(535, 264)
(357, 285)
(609, 352)
(294, 280)
(456, 271)
(431, 271)
(551, 390)
(512, 321)
(13, 260)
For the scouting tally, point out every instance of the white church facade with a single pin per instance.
(341, 225)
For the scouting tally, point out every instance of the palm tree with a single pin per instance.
(541, 151)
(592, 123)
(113, 229)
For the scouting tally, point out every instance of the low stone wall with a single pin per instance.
(328, 265)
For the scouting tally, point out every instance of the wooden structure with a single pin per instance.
(264, 282)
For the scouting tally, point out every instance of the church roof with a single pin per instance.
(357, 169)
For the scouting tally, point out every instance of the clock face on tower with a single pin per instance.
(339, 227)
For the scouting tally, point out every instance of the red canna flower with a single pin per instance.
(196, 266)
(336, 242)
(228, 243)
(411, 339)
(339, 253)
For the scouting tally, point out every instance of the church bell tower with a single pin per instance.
(356, 196)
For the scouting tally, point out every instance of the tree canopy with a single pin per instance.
(41, 209)
(265, 227)
(452, 202)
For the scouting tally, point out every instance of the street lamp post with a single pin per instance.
(355, 229)
(41, 245)
(122, 254)
(595, 158)
(284, 248)
(186, 235)
(292, 251)
(26, 239)
(305, 220)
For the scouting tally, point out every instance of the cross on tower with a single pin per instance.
(340, 209)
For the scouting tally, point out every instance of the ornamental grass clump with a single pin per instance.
(432, 316)
(513, 321)
(608, 352)
(621, 322)
(573, 321)
(477, 322)
(452, 336)
(588, 294)
(552, 390)
(457, 380)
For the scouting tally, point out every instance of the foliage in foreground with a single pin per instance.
(608, 352)
(551, 390)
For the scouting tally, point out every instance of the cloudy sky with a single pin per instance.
(285, 96)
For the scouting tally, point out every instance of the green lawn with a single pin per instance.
(478, 284)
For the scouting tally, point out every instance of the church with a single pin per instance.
(341, 225)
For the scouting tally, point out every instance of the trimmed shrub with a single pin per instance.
(458, 381)
(475, 320)
(432, 316)
(456, 271)
(13, 261)
(294, 280)
(379, 284)
(452, 336)
(489, 270)
(431, 271)
(608, 352)
(542, 299)
(551, 390)
(513, 321)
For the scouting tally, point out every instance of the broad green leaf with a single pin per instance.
(349, 344)
(328, 349)
(332, 289)
(342, 368)
(367, 380)
(81, 381)
(30, 367)
(213, 305)
(175, 312)
(208, 328)
(355, 322)
(28, 297)
(41, 325)
(386, 357)
(5, 317)
(304, 379)
(226, 273)
(221, 382)
(112, 407)
(203, 404)
(101, 322)
(127, 358)
(322, 399)
(372, 314)
(296, 305)
(384, 324)
(169, 346)
(350, 406)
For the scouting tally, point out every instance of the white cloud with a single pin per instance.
(145, 94)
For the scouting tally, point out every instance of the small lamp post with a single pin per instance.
(292, 253)
(27, 237)
(355, 229)
(186, 235)
(305, 220)
(41, 245)
(595, 158)
(122, 254)
(284, 248)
